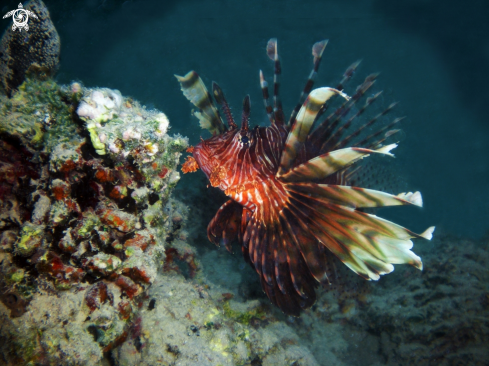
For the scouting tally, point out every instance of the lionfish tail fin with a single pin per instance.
(195, 91)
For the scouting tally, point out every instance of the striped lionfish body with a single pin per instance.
(291, 205)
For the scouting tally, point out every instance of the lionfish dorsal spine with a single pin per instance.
(246, 114)
(386, 131)
(320, 136)
(326, 137)
(347, 75)
(317, 51)
(344, 141)
(303, 124)
(221, 100)
(195, 91)
(264, 90)
(272, 52)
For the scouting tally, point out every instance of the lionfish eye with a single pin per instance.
(244, 139)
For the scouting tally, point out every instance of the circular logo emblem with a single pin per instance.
(20, 17)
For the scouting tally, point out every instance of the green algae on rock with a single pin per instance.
(83, 214)
(186, 325)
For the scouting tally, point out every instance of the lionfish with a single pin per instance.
(291, 203)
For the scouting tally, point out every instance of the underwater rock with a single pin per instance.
(30, 238)
(21, 50)
(64, 233)
(180, 324)
(63, 329)
(439, 318)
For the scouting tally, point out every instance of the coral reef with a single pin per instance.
(37, 48)
(85, 212)
(183, 323)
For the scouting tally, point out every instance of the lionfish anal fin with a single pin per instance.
(195, 91)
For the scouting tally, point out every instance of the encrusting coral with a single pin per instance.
(85, 211)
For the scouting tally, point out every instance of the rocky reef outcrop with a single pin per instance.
(85, 212)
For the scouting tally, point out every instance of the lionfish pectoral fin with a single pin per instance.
(195, 91)
(367, 244)
(303, 124)
(324, 165)
(354, 197)
(414, 198)
(272, 250)
(226, 224)
(428, 233)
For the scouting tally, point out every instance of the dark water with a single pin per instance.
(433, 58)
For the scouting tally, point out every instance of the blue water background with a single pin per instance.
(433, 57)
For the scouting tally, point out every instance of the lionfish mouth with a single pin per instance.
(294, 204)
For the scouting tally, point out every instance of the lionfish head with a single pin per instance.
(228, 137)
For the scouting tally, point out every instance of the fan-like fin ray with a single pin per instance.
(366, 243)
(273, 250)
(324, 165)
(317, 51)
(355, 197)
(195, 91)
(308, 245)
(225, 225)
(303, 124)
